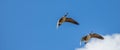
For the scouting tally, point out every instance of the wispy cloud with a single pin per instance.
(111, 42)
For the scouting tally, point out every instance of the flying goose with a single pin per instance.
(91, 35)
(66, 19)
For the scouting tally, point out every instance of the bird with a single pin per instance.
(66, 19)
(91, 35)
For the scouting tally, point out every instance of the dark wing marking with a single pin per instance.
(84, 38)
(96, 36)
(71, 21)
(59, 22)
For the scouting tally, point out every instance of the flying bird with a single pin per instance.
(66, 19)
(91, 35)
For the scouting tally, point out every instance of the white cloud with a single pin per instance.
(111, 42)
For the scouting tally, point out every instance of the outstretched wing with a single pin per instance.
(84, 38)
(96, 36)
(59, 22)
(71, 21)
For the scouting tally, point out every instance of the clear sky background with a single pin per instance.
(31, 24)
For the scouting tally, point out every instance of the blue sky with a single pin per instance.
(31, 24)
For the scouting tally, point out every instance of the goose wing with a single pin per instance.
(71, 21)
(84, 38)
(59, 22)
(96, 36)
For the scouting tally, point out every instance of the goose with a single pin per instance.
(66, 19)
(91, 35)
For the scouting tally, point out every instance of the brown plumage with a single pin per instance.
(66, 19)
(94, 35)
(91, 35)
